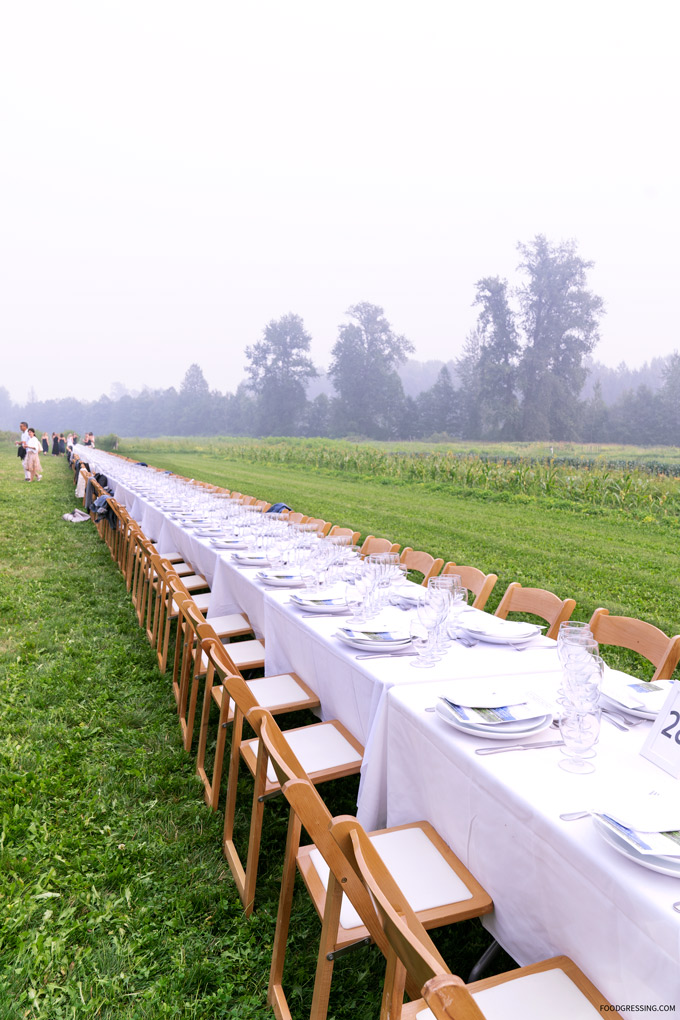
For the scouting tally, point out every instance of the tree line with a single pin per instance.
(521, 376)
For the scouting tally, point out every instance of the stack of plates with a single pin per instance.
(281, 578)
(227, 543)
(320, 604)
(635, 697)
(250, 560)
(502, 722)
(619, 839)
(491, 629)
(373, 640)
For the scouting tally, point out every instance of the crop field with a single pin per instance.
(116, 901)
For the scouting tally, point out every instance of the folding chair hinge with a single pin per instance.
(268, 796)
(337, 953)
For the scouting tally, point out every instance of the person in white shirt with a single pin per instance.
(32, 463)
(21, 444)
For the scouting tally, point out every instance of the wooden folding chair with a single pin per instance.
(323, 527)
(347, 532)
(247, 653)
(474, 580)
(443, 890)
(327, 749)
(230, 625)
(284, 692)
(538, 602)
(371, 544)
(554, 988)
(423, 562)
(638, 636)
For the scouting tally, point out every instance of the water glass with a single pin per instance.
(579, 730)
(422, 641)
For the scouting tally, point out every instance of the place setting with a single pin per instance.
(496, 710)
(641, 824)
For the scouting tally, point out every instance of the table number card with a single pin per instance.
(662, 746)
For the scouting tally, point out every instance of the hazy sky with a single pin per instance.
(174, 175)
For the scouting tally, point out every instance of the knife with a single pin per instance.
(517, 747)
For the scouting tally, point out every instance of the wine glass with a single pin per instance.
(422, 642)
(459, 600)
(579, 729)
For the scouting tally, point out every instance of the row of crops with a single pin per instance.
(646, 489)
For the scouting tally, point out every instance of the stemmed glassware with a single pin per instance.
(582, 672)
(579, 729)
(430, 614)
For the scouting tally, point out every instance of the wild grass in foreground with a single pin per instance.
(116, 901)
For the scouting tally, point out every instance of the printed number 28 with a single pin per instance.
(674, 725)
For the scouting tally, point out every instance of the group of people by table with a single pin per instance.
(556, 886)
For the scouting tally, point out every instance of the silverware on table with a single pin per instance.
(319, 616)
(385, 655)
(518, 747)
(615, 719)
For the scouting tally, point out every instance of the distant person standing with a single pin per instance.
(32, 461)
(45, 443)
(55, 444)
(21, 447)
(62, 443)
(89, 439)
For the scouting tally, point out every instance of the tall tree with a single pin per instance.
(363, 370)
(496, 369)
(194, 385)
(559, 318)
(193, 417)
(438, 407)
(279, 371)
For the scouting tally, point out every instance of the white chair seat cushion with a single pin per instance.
(202, 601)
(317, 748)
(229, 624)
(240, 652)
(418, 868)
(276, 690)
(190, 579)
(245, 651)
(548, 993)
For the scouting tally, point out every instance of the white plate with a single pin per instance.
(227, 543)
(616, 706)
(499, 731)
(664, 865)
(367, 644)
(279, 579)
(250, 561)
(520, 634)
(320, 605)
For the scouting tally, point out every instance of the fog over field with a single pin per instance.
(177, 177)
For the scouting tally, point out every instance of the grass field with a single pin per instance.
(116, 902)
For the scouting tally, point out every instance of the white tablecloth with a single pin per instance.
(557, 887)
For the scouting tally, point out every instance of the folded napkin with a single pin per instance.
(649, 843)
(476, 716)
(632, 693)
(640, 805)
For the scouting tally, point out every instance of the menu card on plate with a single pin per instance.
(530, 708)
(646, 817)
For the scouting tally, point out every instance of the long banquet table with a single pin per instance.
(557, 888)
